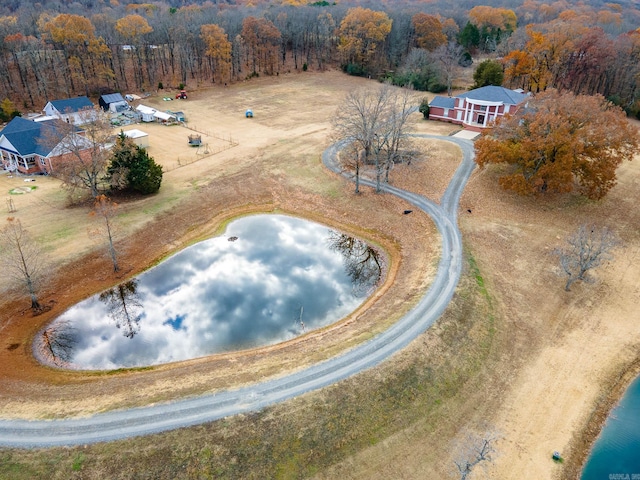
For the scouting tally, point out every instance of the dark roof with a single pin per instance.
(492, 93)
(24, 135)
(111, 98)
(443, 102)
(72, 104)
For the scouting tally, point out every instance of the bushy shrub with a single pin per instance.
(424, 108)
(354, 69)
(488, 72)
(465, 60)
(437, 87)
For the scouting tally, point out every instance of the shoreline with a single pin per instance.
(584, 439)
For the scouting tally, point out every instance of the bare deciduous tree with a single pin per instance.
(474, 450)
(124, 306)
(358, 117)
(57, 342)
(83, 154)
(105, 210)
(586, 249)
(448, 58)
(363, 263)
(22, 258)
(400, 109)
(373, 120)
(352, 159)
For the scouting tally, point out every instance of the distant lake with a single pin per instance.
(616, 452)
(268, 279)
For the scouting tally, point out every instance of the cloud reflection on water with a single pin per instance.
(219, 296)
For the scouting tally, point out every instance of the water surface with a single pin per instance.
(616, 452)
(270, 278)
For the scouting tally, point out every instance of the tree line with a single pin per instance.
(144, 46)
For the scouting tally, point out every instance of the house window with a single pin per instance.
(43, 161)
(446, 112)
(483, 108)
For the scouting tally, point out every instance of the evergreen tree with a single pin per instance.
(488, 72)
(145, 175)
(132, 168)
(469, 37)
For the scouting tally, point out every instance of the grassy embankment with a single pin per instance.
(422, 387)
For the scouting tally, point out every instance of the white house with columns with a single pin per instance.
(477, 109)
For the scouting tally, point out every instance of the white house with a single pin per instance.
(77, 110)
(152, 115)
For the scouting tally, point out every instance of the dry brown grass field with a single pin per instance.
(513, 353)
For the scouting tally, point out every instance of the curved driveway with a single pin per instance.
(192, 411)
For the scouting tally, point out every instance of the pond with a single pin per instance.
(268, 279)
(616, 452)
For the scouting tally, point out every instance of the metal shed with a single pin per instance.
(139, 137)
(113, 102)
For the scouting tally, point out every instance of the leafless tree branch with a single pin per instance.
(586, 249)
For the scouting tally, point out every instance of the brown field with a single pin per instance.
(514, 353)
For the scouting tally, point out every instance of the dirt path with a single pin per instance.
(183, 413)
(275, 168)
(564, 351)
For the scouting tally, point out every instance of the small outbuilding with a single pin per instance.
(164, 117)
(113, 102)
(149, 114)
(139, 137)
(146, 113)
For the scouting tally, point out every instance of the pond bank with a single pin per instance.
(580, 448)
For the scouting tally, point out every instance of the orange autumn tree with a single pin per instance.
(559, 143)
(262, 41)
(429, 31)
(494, 24)
(87, 56)
(538, 64)
(132, 29)
(218, 51)
(362, 34)
(493, 18)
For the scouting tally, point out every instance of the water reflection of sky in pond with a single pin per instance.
(222, 294)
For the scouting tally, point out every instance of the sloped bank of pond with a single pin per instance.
(615, 453)
(268, 279)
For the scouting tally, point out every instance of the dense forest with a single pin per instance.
(58, 48)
